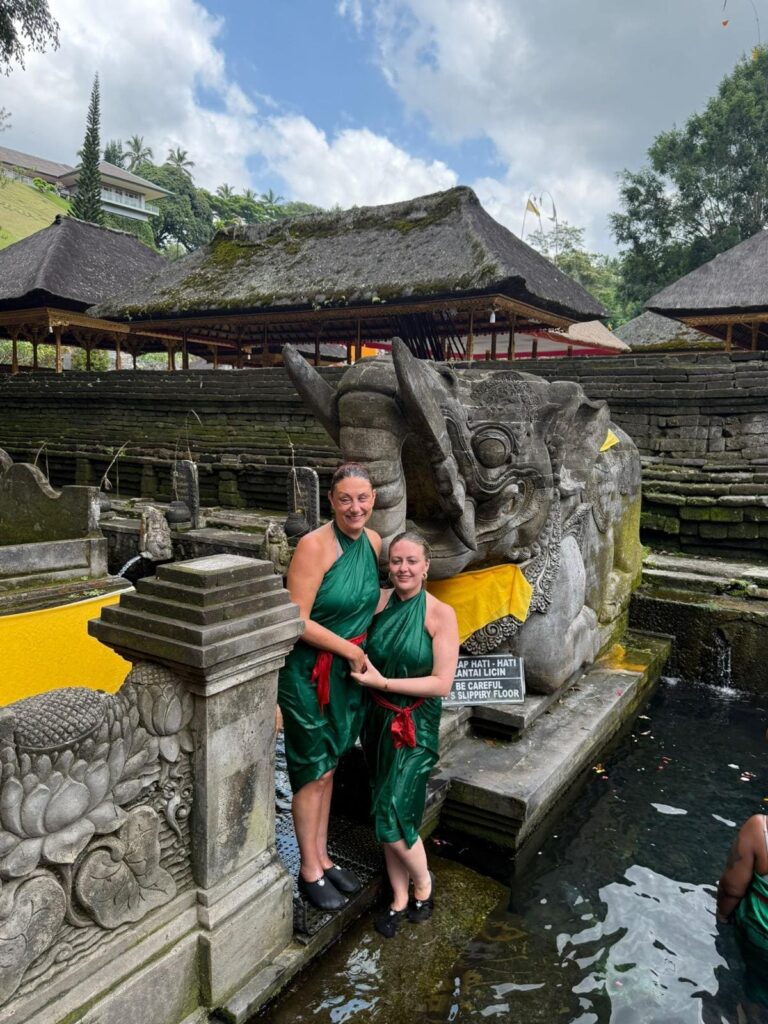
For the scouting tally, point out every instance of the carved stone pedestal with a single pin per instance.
(148, 888)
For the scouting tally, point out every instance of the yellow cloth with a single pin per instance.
(484, 596)
(609, 442)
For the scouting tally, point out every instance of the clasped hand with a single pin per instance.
(368, 676)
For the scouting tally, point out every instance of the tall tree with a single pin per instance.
(86, 204)
(185, 218)
(705, 188)
(179, 157)
(597, 272)
(114, 152)
(25, 25)
(136, 152)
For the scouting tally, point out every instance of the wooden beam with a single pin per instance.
(57, 329)
(471, 337)
(511, 344)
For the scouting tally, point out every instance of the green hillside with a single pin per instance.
(24, 210)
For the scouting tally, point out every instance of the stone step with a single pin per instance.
(506, 792)
(510, 720)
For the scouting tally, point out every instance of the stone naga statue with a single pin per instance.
(498, 467)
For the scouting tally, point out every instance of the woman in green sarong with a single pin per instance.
(413, 648)
(334, 579)
(742, 895)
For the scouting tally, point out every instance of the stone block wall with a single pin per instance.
(700, 421)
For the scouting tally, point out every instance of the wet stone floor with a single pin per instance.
(613, 921)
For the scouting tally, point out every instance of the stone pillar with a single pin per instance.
(224, 625)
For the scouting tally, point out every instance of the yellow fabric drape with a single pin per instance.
(485, 595)
(609, 442)
(49, 648)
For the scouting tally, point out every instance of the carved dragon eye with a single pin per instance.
(492, 448)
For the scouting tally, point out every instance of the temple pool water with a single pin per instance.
(612, 923)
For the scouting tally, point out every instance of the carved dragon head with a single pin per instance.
(473, 458)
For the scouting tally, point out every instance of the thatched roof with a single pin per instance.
(72, 264)
(651, 331)
(591, 334)
(438, 246)
(736, 281)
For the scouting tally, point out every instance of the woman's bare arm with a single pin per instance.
(736, 878)
(445, 649)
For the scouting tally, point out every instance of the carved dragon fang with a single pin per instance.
(317, 393)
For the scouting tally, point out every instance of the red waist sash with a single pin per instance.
(321, 673)
(403, 730)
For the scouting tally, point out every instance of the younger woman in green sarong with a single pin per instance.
(742, 894)
(334, 579)
(412, 650)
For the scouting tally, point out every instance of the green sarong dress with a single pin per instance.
(752, 923)
(400, 648)
(315, 737)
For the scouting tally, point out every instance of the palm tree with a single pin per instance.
(270, 199)
(225, 192)
(180, 158)
(136, 152)
(250, 195)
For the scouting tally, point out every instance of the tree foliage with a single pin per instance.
(136, 153)
(25, 25)
(185, 218)
(598, 273)
(86, 204)
(114, 153)
(705, 187)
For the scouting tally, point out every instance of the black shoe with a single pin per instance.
(388, 923)
(322, 894)
(344, 880)
(421, 910)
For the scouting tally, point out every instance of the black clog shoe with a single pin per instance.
(343, 879)
(322, 894)
(386, 924)
(421, 910)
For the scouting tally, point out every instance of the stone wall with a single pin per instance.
(700, 421)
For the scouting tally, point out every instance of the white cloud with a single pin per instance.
(352, 9)
(164, 76)
(154, 58)
(356, 167)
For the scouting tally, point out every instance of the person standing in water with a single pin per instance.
(334, 579)
(742, 896)
(412, 651)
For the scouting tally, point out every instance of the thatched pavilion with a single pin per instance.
(437, 270)
(50, 278)
(726, 298)
(651, 332)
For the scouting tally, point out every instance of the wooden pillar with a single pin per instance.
(118, 352)
(511, 345)
(14, 351)
(317, 346)
(349, 352)
(265, 346)
(471, 338)
(239, 360)
(35, 364)
(87, 345)
(569, 351)
(534, 348)
(729, 338)
(184, 352)
(358, 342)
(57, 342)
(493, 344)
(755, 329)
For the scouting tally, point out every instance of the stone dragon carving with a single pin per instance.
(496, 467)
(86, 781)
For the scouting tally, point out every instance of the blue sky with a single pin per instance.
(365, 101)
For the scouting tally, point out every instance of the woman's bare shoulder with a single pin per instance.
(439, 615)
(384, 596)
(374, 539)
(315, 544)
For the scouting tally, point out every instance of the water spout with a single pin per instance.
(128, 564)
(723, 670)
